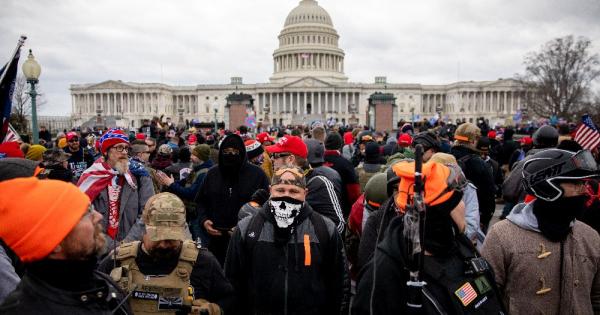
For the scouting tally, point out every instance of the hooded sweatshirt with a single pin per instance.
(229, 187)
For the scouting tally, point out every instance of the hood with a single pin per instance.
(522, 215)
(232, 141)
(534, 151)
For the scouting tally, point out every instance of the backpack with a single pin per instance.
(462, 162)
(257, 222)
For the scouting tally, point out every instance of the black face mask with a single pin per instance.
(440, 232)
(232, 160)
(554, 218)
(164, 254)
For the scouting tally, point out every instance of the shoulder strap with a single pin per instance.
(189, 251)
(320, 229)
(187, 259)
(252, 234)
(127, 250)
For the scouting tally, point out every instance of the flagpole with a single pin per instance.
(12, 57)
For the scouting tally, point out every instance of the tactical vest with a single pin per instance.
(149, 294)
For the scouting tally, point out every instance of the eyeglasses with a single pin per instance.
(276, 156)
(74, 140)
(121, 149)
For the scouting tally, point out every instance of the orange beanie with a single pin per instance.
(36, 215)
(436, 182)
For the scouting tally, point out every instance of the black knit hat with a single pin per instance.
(333, 141)
(16, 167)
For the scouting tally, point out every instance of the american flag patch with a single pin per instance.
(466, 294)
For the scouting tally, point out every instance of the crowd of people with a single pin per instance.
(319, 219)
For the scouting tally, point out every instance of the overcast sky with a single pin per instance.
(201, 42)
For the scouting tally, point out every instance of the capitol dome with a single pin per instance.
(309, 11)
(308, 46)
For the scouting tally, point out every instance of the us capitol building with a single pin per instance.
(308, 84)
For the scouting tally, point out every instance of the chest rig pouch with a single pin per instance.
(466, 280)
(150, 294)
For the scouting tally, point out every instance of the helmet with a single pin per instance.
(376, 191)
(543, 172)
(428, 140)
(545, 137)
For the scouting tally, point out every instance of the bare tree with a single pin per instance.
(558, 77)
(21, 106)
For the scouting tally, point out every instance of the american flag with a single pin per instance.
(587, 134)
(11, 135)
(466, 294)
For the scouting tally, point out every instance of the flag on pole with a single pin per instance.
(11, 135)
(587, 134)
(8, 76)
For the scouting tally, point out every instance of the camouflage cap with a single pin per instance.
(164, 216)
(55, 156)
(467, 132)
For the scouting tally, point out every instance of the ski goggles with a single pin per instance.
(580, 166)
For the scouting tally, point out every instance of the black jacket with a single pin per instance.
(226, 191)
(350, 186)
(374, 230)
(382, 287)
(34, 296)
(325, 197)
(478, 173)
(278, 277)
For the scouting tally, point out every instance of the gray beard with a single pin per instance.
(122, 166)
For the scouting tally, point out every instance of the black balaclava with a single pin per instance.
(231, 164)
(555, 217)
(440, 229)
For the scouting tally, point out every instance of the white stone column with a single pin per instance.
(297, 111)
(304, 104)
(506, 111)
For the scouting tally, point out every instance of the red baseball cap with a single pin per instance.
(140, 136)
(527, 140)
(491, 134)
(405, 140)
(71, 135)
(289, 144)
(263, 136)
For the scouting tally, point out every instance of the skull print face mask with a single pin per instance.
(285, 210)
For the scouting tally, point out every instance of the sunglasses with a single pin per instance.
(276, 156)
(74, 140)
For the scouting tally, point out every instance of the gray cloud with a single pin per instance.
(188, 42)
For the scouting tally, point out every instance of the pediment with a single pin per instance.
(110, 84)
(308, 82)
(503, 83)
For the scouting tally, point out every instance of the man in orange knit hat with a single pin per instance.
(59, 246)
